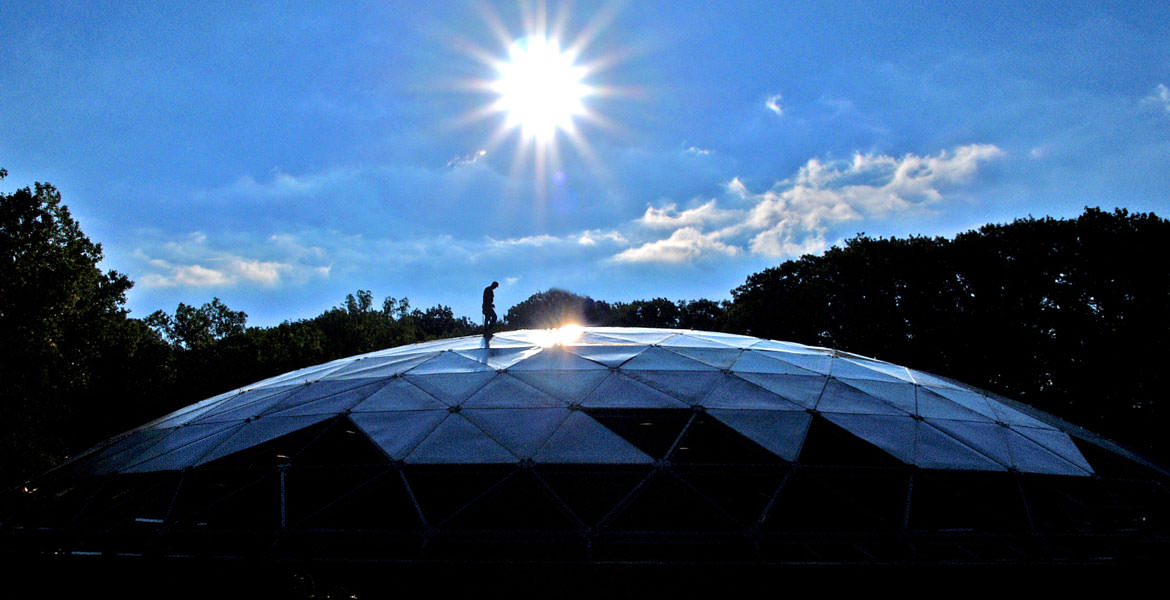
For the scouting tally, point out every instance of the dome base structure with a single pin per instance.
(604, 447)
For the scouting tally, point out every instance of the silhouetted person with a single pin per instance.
(489, 308)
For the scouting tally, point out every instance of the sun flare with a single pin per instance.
(540, 88)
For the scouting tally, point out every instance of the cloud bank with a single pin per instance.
(796, 215)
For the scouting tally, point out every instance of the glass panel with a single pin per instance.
(556, 359)
(399, 394)
(397, 433)
(934, 381)
(967, 399)
(638, 335)
(248, 404)
(619, 391)
(499, 358)
(731, 339)
(449, 362)
(1064, 456)
(801, 389)
(593, 337)
(987, 438)
(751, 361)
(894, 435)
(736, 393)
(182, 449)
(658, 359)
(1011, 416)
(900, 394)
(521, 431)
(451, 388)
(849, 368)
(610, 356)
(841, 398)
(690, 387)
(720, 358)
(326, 397)
(936, 450)
(125, 451)
(375, 367)
(689, 340)
(781, 432)
(259, 431)
(569, 386)
(817, 363)
(932, 405)
(580, 439)
(506, 391)
(457, 440)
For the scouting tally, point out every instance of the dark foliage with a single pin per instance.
(61, 323)
(1066, 315)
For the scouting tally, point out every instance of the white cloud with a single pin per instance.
(669, 217)
(697, 151)
(684, 245)
(193, 262)
(530, 240)
(592, 237)
(1160, 97)
(467, 159)
(773, 104)
(796, 215)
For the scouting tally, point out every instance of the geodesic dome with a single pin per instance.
(611, 444)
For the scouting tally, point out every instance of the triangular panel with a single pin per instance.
(781, 432)
(451, 388)
(659, 359)
(841, 398)
(752, 361)
(457, 440)
(399, 394)
(338, 398)
(378, 368)
(499, 358)
(619, 391)
(259, 431)
(1057, 444)
(182, 449)
(720, 358)
(521, 431)
(397, 433)
(580, 439)
(690, 387)
(506, 391)
(932, 405)
(610, 356)
(449, 362)
(800, 389)
(936, 450)
(569, 386)
(732, 392)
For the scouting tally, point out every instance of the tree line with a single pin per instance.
(1069, 315)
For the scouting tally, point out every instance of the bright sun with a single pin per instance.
(540, 88)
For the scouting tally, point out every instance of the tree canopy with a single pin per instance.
(1068, 315)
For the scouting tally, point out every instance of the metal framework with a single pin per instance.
(330, 495)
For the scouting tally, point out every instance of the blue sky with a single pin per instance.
(281, 155)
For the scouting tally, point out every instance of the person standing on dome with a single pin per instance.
(489, 308)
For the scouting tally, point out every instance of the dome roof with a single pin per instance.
(545, 396)
(615, 445)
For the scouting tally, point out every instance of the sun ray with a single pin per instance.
(543, 86)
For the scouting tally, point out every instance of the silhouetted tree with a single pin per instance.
(553, 308)
(192, 327)
(1067, 315)
(58, 313)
